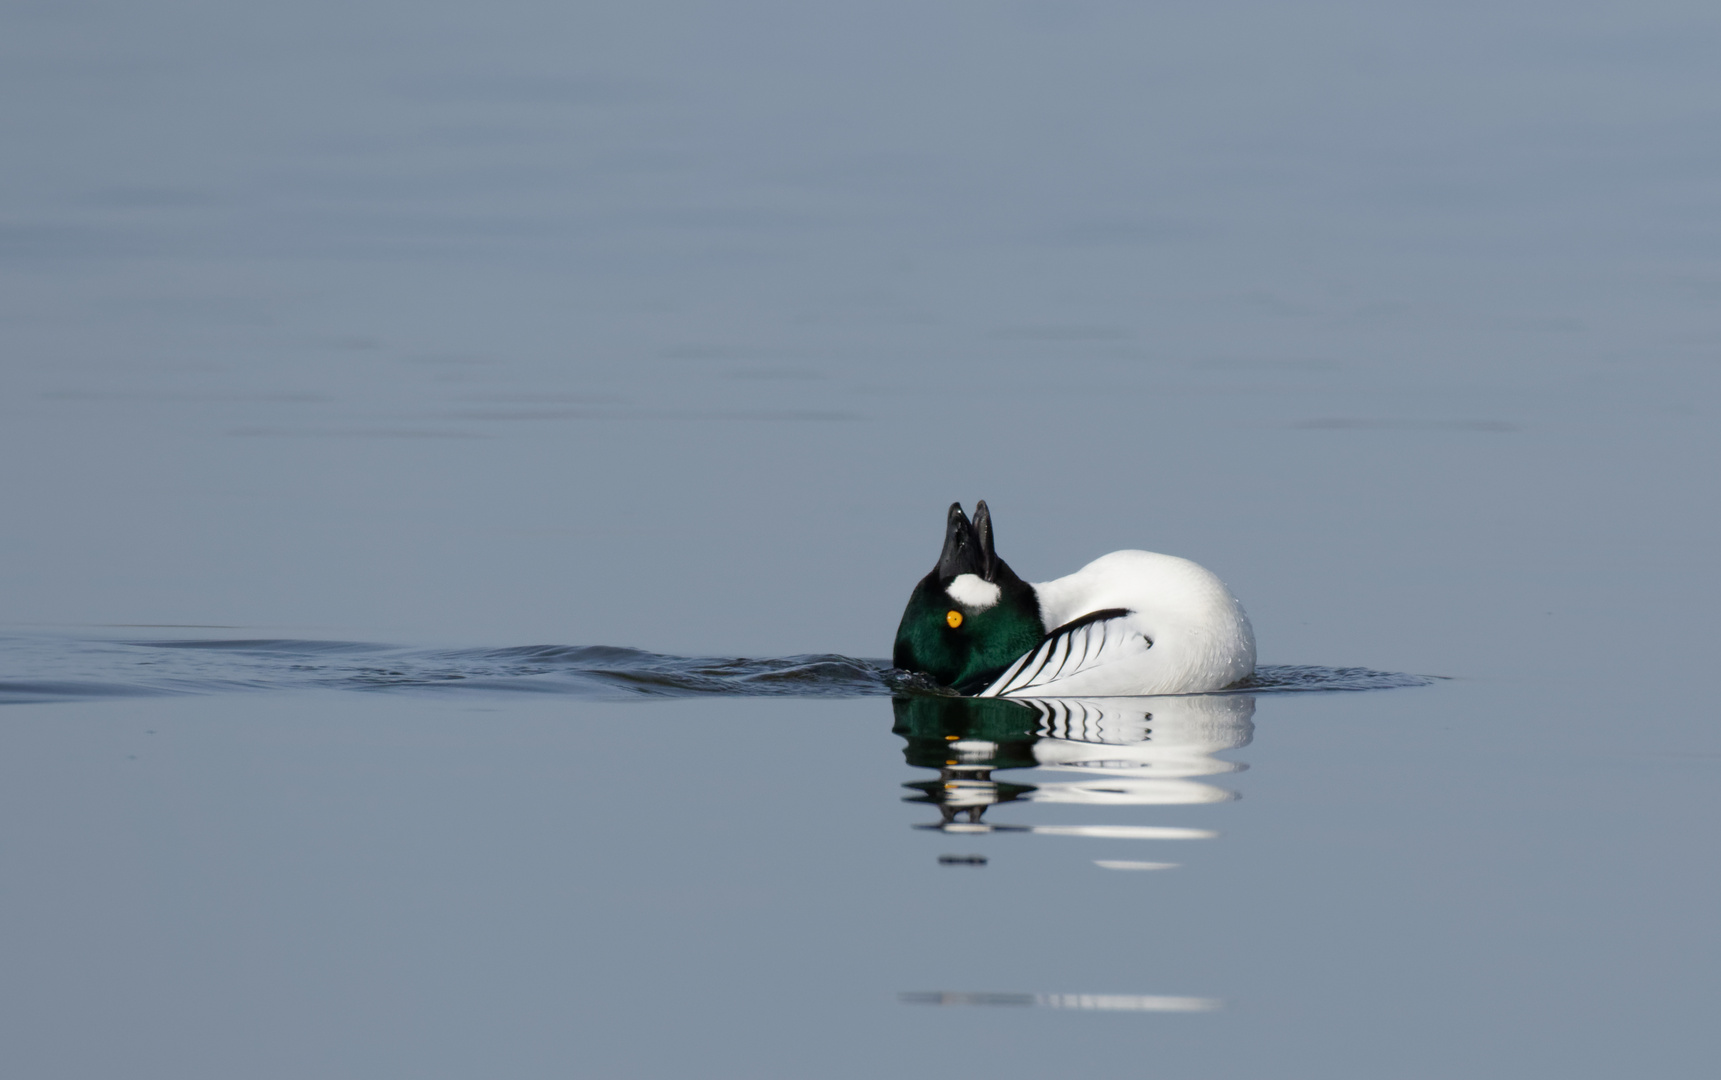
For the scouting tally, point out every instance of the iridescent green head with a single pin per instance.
(971, 616)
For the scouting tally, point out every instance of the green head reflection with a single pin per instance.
(965, 739)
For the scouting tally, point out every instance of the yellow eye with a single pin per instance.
(954, 618)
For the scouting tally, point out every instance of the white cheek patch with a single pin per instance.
(972, 590)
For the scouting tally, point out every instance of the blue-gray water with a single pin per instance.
(493, 335)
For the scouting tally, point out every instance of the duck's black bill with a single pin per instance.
(967, 547)
(983, 536)
(961, 554)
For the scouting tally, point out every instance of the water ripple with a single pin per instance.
(57, 669)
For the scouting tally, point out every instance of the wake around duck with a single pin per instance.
(1132, 623)
(1129, 624)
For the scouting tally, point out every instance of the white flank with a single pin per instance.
(974, 591)
(1184, 633)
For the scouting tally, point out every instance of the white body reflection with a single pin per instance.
(1102, 757)
(1102, 752)
(1102, 1002)
(1140, 751)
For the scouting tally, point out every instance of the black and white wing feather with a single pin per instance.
(1097, 638)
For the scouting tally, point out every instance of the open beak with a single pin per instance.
(967, 548)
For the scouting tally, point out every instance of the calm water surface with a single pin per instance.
(393, 398)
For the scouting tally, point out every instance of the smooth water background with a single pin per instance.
(677, 326)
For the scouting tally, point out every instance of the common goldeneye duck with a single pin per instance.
(1129, 623)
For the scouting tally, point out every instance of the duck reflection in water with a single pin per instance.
(1126, 751)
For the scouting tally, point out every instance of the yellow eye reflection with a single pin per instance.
(954, 618)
